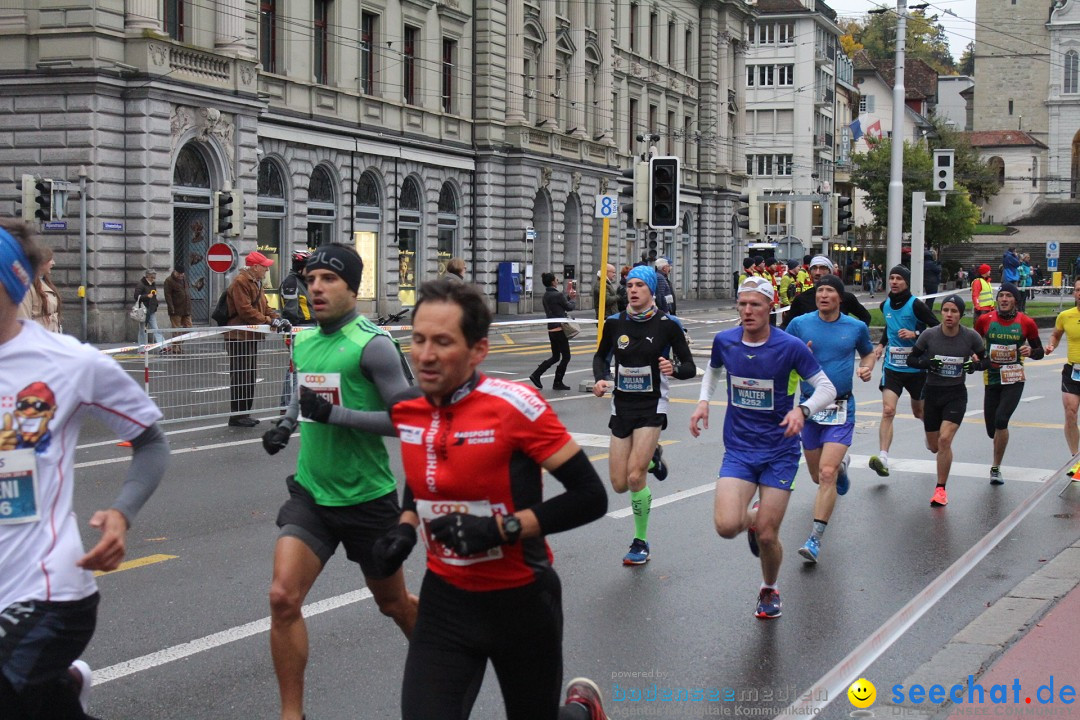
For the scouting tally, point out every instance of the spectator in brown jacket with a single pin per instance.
(178, 301)
(247, 306)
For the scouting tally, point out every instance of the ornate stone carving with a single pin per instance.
(575, 181)
(545, 177)
(603, 186)
(208, 122)
(247, 73)
(158, 53)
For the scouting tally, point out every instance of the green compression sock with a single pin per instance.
(641, 502)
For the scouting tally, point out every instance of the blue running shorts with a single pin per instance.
(776, 469)
(815, 436)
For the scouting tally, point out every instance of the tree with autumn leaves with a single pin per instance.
(876, 33)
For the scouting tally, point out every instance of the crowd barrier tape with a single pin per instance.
(835, 682)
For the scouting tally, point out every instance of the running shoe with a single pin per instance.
(843, 483)
(83, 669)
(768, 604)
(751, 534)
(639, 553)
(657, 466)
(878, 466)
(810, 549)
(584, 691)
(940, 499)
(995, 476)
(1074, 472)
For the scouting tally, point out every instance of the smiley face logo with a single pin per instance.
(862, 693)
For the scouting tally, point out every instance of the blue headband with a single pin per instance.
(645, 274)
(16, 274)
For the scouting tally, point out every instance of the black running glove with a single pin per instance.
(937, 364)
(972, 366)
(314, 406)
(390, 550)
(466, 534)
(275, 439)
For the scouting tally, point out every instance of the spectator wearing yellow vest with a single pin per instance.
(982, 294)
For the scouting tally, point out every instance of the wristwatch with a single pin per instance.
(511, 529)
(805, 411)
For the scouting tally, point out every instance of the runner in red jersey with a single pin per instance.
(473, 449)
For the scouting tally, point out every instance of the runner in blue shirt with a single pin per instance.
(761, 428)
(834, 339)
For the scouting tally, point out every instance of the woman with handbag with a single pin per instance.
(556, 305)
(146, 294)
(42, 301)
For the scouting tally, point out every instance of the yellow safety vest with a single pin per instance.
(985, 297)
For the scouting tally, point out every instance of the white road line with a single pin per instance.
(181, 451)
(216, 426)
(183, 650)
(591, 440)
(674, 497)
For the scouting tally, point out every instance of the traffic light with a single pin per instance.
(664, 192)
(43, 198)
(943, 170)
(634, 190)
(841, 217)
(225, 207)
(28, 203)
(652, 244)
(751, 211)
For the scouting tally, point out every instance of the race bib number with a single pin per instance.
(751, 393)
(634, 379)
(428, 510)
(835, 414)
(898, 356)
(328, 385)
(1003, 354)
(18, 487)
(1011, 374)
(951, 366)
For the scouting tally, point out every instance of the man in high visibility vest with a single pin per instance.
(982, 295)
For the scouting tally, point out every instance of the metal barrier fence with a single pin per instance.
(189, 375)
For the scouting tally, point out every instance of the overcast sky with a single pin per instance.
(960, 28)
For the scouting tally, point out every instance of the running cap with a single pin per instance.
(758, 285)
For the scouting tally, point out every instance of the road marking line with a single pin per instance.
(657, 502)
(183, 650)
(136, 563)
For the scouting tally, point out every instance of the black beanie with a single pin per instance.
(747, 263)
(1010, 288)
(955, 300)
(833, 282)
(902, 272)
(339, 259)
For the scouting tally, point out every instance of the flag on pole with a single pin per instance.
(874, 131)
(856, 130)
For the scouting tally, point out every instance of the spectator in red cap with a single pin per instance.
(982, 295)
(247, 306)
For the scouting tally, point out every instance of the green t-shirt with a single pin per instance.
(340, 466)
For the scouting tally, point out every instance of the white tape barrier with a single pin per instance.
(834, 684)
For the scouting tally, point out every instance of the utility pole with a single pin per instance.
(895, 227)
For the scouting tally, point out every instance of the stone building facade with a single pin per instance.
(417, 130)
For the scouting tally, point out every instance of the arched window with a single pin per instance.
(321, 209)
(998, 166)
(271, 214)
(1072, 65)
(192, 234)
(191, 169)
(366, 233)
(410, 220)
(448, 225)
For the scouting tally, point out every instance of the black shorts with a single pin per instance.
(322, 527)
(623, 425)
(1068, 385)
(898, 382)
(39, 640)
(944, 404)
(999, 403)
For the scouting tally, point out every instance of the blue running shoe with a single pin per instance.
(751, 534)
(768, 604)
(843, 483)
(810, 549)
(639, 553)
(658, 467)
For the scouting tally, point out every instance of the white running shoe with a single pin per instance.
(87, 679)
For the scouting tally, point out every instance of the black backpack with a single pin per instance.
(221, 310)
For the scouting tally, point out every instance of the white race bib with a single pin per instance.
(898, 356)
(835, 414)
(634, 379)
(328, 385)
(1011, 374)
(428, 510)
(751, 393)
(1002, 354)
(18, 487)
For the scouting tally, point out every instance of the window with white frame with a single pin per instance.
(1072, 60)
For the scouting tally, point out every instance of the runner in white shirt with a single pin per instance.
(48, 598)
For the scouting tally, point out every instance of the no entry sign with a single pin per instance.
(220, 258)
